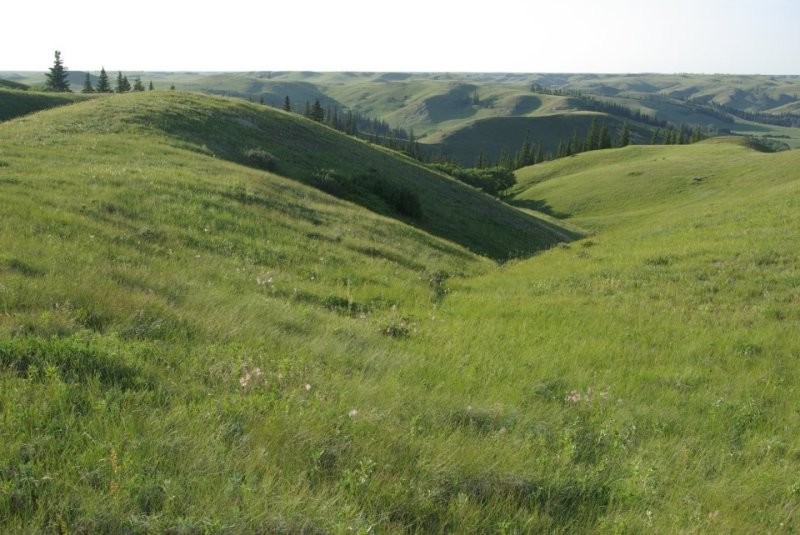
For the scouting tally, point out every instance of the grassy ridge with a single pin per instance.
(162, 314)
(189, 344)
(15, 102)
(312, 154)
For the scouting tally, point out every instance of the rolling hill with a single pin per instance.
(442, 106)
(191, 342)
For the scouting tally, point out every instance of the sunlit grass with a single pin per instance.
(188, 345)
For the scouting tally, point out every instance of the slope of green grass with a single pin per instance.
(16, 102)
(495, 135)
(191, 345)
(316, 155)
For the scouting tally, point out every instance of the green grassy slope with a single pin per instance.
(310, 153)
(14, 102)
(162, 312)
(188, 344)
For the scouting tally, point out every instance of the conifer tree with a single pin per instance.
(480, 161)
(120, 82)
(151, 86)
(317, 113)
(138, 85)
(87, 84)
(57, 77)
(592, 136)
(287, 105)
(625, 138)
(605, 138)
(654, 139)
(680, 138)
(103, 85)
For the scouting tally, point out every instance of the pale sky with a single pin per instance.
(614, 36)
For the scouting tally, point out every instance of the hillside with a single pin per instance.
(312, 154)
(439, 106)
(191, 344)
(18, 102)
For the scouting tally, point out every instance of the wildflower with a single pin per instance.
(352, 413)
(307, 387)
(244, 379)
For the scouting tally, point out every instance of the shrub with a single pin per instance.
(260, 158)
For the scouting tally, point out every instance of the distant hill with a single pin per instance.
(435, 106)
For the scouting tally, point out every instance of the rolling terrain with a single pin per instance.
(460, 115)
(212, 320)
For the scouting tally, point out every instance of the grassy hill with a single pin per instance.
(295, 147)
(441, 105)
(17, 102)
(190, 344)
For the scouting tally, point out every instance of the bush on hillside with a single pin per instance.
(261, 159)
(492, 180)
(400, 198)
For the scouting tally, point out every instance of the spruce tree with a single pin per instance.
(605, 138)
(120, 83)
(287, 105)
(654, 139)
(103, 85)
(592, 136)
(480, 161)
(138, 85)
(87, 84)
(57, 77)
(151, 86)
(625, 139)
(317, 113)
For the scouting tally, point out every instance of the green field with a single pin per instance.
(190, 343)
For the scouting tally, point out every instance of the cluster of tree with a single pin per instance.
(620, 110)
(354, 123)
(56, 79)
(783, 119)
(554, 91)
(104, 84)
(493, 180)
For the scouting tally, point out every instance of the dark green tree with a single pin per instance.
(57, 77)
(317, 113)
(654, 139)
(592, 136)
(123, 85)
(138, 85)
(480, 161)
(680, 138)
(151, 86)
(604, 142)
(103, 85)
(625, 138)
(87, 84)
(287, 105)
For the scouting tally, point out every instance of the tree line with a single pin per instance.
(57, 80)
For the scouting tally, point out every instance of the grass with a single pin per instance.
(189, 344)
(15, 102)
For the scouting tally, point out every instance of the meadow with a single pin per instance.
(192, 344)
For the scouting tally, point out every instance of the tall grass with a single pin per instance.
(191, 345)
